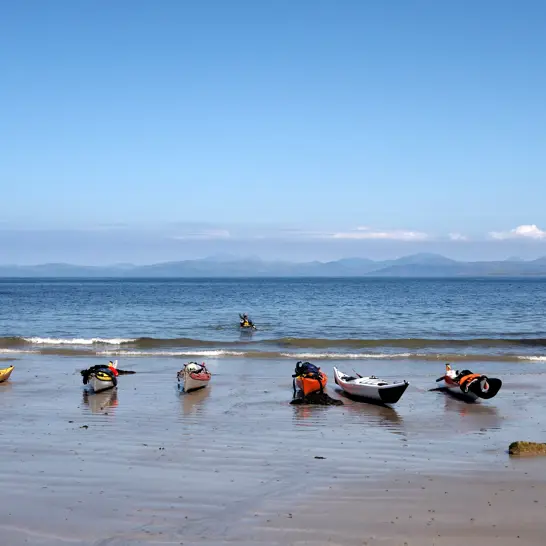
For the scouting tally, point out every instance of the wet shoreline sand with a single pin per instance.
(228, 464)
(499, 507)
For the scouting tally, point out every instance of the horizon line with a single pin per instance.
(219, 259)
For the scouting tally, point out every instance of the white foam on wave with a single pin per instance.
(224, 353)
(76, 341)
(18, 351)
(211, 353)
(345, 356)
(533, 358)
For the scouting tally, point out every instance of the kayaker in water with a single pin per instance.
(246, 322)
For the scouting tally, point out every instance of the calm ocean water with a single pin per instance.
(296, 318)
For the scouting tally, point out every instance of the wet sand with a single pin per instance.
(231, 463)
(475, 508)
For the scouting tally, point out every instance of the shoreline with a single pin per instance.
(323, 358)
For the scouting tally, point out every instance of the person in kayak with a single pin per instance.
(246, 322)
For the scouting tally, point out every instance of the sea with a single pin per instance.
(298, 318)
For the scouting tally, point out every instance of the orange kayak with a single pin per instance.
(308, 385)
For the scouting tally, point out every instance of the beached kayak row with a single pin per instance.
(308, 380)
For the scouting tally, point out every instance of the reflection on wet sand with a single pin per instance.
(370, 408)
(6, 385)
(452, 403)
(192, 402)
(455, 395)
(310, 415)
(100, 402)
(474, 416)
(373, 414)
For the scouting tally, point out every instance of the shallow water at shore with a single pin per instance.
(358, 319)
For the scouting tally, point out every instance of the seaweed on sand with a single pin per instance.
(527, 448)
(317, 398)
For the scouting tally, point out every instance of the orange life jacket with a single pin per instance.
(468, 378)
(311, 384)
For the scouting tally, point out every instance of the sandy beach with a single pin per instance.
(237, 464)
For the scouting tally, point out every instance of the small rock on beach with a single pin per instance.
(527, 448)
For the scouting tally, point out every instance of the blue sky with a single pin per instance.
(278, 128)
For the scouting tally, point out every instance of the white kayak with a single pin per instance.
(101, 377)
(371, 387)
(194, 376)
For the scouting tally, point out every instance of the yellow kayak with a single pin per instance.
(5, 373)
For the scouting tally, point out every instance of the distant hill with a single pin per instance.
(416, 265)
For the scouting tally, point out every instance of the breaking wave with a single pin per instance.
(210, 354)
(74, 341)
(478, 349)
(255, 355)
(285, 342)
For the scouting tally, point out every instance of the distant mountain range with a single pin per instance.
(416, 265)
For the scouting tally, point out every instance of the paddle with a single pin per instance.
(120, 372)
(356, 372)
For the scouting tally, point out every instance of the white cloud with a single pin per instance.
(290, 233)
(368, 233)
(204, 234)
(297, 233)
(529, 231)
